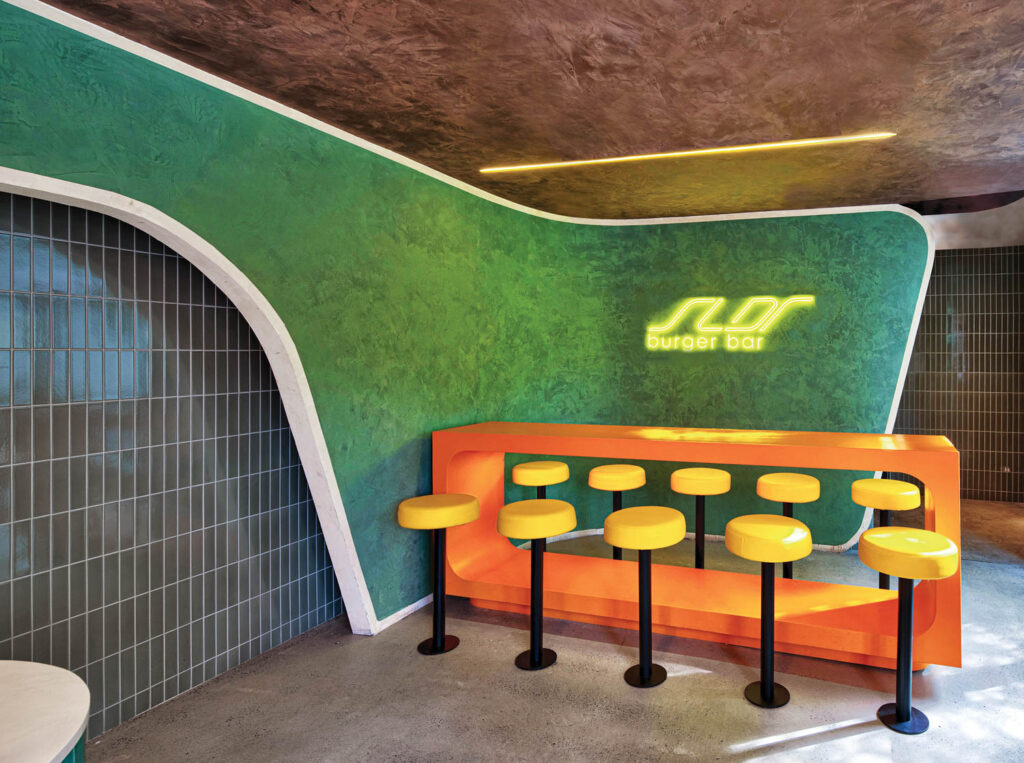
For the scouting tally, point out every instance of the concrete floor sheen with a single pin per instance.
(329, 695)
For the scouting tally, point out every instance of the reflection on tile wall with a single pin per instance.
(966, 375)
(155, 524)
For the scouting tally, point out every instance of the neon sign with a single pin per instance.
(744, 332)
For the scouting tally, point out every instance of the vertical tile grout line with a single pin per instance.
(103, 416)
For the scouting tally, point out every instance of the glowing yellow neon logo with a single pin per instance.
(744, 332)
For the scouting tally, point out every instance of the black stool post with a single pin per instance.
(882, 521)
(536, 601)
(439, 643)
(646, 674)
(616, 506)
(787, 567)
(542, 493)
(901, 716)
(904, 649)
(698, 552)
(536, 657)
(765, 692)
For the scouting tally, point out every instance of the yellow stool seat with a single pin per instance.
(886, 495)
(536, 518)
(645, 527)
(768, 538)
(432, 512)
(540, 473)
(617, 477)
(788, 487)
(701, 481)
(908, 553)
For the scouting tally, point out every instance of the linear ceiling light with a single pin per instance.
(698, 152)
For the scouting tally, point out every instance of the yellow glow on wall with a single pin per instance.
(742, 312)
(704, 336)
(702, 323)
(780, 144)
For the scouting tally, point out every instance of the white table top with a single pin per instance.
(43, 711)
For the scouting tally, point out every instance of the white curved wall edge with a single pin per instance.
(336, 530)
(277, 343)
(1002, 226)
(162, 59)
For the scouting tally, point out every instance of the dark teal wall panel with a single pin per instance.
(417, 306)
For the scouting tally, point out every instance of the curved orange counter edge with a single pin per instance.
(849, 623)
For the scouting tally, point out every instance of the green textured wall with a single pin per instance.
(417, 306)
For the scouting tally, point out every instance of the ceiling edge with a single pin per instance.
(104, 35)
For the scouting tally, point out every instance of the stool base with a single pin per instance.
(918, 723)
(658, 675)
(547, 659)
(427, 645)
(753, 694)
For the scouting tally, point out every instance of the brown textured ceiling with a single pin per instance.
(463, 84)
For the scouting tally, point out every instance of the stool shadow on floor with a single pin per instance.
(800, 738)
(857, 676)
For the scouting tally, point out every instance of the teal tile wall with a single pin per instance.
(966, 376)
(155, 524)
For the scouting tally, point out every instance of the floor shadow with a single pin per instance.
(857, 676)
(791, 741)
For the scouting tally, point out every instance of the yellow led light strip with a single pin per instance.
(698, 152)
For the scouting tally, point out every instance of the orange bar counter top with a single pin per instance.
(820, 619)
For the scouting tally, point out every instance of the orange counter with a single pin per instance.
(819, 619)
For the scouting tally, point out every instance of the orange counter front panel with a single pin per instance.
(841, 622)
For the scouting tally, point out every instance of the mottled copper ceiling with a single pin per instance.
(463, 84)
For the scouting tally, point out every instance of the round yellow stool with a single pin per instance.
(437, 513)
(540, 474)
(700, 482)
(788, 488)
(536, 520)
(909, 555)
(615, 478)
(768, 539)
(644, 528)
(885, 496)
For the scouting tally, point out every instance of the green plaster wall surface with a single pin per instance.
(417, 306)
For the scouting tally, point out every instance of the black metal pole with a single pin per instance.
(883, 521)
(904, 649)
(787, 567)
(698, 553)
(616, 506)
(764, 692)
(536, 601)
(439, 544)
(644, 563)
(768, 632)
(542, 493)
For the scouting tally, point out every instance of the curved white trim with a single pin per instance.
(361, 611)
(162, 59)
(277, 344)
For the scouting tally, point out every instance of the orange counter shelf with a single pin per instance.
(849, 623)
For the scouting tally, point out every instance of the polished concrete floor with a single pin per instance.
(329, 695)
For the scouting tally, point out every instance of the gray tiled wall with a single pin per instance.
(966, 375)
(155, 524)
